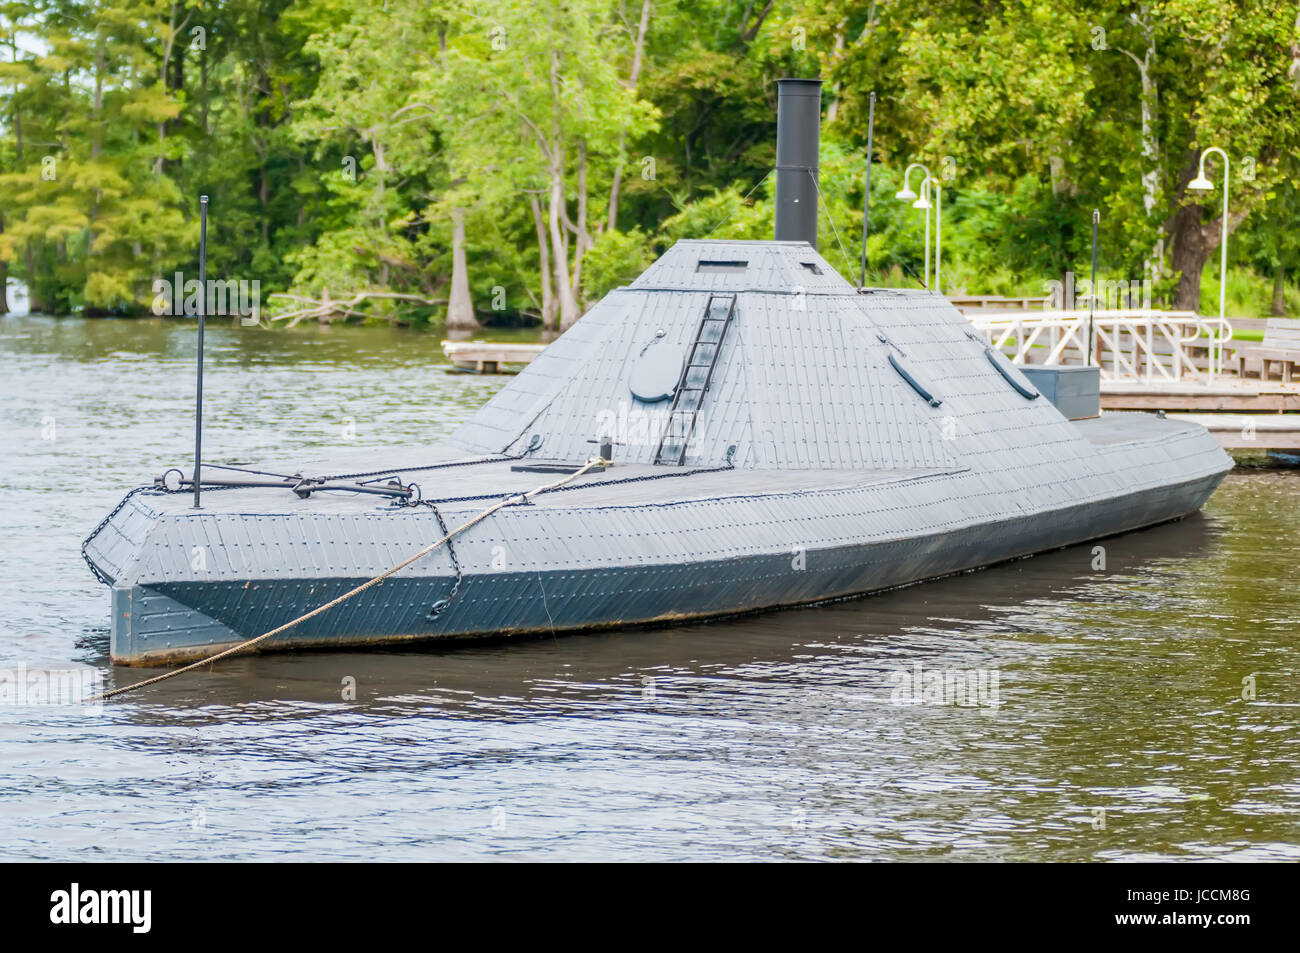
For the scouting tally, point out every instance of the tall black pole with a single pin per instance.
(203, 308)
(1092, 298)
(866, 190)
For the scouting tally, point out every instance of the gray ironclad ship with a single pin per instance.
(775, 437)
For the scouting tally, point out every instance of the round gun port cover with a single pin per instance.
(1012, 373)
(655, 373)
(906, 372)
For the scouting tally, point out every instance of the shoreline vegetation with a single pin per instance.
(1250, 296)
(469, 168)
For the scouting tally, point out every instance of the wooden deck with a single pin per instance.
(1225, 395)
(1250, 431)
(488, 357)
(1241, 414)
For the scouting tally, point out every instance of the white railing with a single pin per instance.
(1137, 345)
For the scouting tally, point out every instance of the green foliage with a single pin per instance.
(1250, 295)
(338, 140)
(614, 260)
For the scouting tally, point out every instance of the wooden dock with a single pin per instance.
(1241, 414)
(488, 357)
(1226, 394)
(1250, 431)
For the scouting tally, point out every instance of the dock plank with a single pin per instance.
(488, 357)
(1250, 431)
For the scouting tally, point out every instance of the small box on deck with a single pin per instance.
(1074, 389)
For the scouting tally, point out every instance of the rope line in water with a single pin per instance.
(245, 646)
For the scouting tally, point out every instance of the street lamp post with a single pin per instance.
(1202, 184)
(938, 232)
(922, 202)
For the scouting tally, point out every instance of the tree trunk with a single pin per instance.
(380, 179)
(1279, 291)
(1192, 247)
(544, 266)
(1194, 243)
(263, 197)
(460, 306)
(560, 253)
(638, 54)
(1148, 104)
(748, 33)
(583, 242)
(203, 93)
(559, 245)
(96, 141)
(616, 186)
(1293, 71)
(837, 51)
(4, 278)
(34, 303)
(164, 80)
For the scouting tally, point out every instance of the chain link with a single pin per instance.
(98, 529)
(439, 607)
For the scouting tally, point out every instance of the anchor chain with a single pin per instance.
(98, 529)
(439, 607)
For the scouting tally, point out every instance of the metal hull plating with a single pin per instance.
(181, 621)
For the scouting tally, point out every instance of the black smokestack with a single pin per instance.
(798, 142)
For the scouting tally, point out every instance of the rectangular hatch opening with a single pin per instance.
(705, 267)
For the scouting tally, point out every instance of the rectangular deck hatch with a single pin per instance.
(720, 267)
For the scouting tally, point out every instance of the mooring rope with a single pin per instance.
(245, 646)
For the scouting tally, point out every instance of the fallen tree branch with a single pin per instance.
(325, 308)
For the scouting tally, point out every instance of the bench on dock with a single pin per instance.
(1281, 347)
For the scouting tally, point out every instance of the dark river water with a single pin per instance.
(1137, 703)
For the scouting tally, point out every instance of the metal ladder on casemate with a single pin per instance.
(697, 375)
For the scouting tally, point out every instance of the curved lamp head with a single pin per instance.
(905, 194)
(1200, 184)
(923, 202)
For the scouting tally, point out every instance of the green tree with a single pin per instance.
(1107, 104)
(537, 110)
